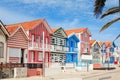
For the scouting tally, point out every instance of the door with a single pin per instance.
(32, 56)
(22, 56)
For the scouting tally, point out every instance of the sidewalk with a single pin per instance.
(69, 75)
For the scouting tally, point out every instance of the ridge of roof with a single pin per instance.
(77, 30)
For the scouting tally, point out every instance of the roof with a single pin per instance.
(79, 30)
(54, 29)
(63, 31)
(73, 35)
(108, 43)
(26, 25)
(3, 28)
(92, 42)
(100, 43)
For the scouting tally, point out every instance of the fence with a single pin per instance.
(7, 70)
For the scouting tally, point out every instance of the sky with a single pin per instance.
(68, 14)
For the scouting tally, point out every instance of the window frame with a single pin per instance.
(2, 50)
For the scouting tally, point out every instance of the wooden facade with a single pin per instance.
(3, 38)
(95, 51)
(34, 30)
(58, 46)
(17, 45)
(84, 36)
(72, 54)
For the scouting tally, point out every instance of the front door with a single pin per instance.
(22, 56)
(32, 56)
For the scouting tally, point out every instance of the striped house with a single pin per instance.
(39, 34)
(17, 45)
(84, 36)
(3, 38)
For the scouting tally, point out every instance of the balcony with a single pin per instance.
(56, 48)
(38, 46)
(72, 49)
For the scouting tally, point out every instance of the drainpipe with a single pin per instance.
(43, 55)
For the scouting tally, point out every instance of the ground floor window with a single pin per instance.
(55, 57)
(40, 56)
(1, 49)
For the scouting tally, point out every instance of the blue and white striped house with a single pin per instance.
(72, 54)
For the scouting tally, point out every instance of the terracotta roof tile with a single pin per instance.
(26, 25)
(54, 29)
(68, 32)
(100, 43)
(108, 43)
(92, 42)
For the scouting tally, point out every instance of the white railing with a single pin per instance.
(65, 49)
(57, 48)
(38, 46)
(76, 49)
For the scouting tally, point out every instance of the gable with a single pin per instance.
(96, 45)
(3, 29)
(60, 33)
(18, 39)
(74, 37)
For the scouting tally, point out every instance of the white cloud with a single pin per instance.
(9, 17)
(66, 6)
(66, 24)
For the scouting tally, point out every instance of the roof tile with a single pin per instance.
(26, 25)
(68, 32)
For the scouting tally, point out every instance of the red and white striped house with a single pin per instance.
(39, 33)
(17, 45)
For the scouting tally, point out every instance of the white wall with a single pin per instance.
(3, 39)
(20, 72)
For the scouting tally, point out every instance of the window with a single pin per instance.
(1, 49)
(58, 41)
(61, 42)
(32, 40)
(38, 39)
(53, 41)
(40, 57)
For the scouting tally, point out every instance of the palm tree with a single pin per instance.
(99, 5)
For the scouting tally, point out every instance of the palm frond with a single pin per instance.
(108, 24)
(111, 11)
(117, 37)
(99, 4)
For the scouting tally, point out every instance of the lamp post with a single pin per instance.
(43, 55)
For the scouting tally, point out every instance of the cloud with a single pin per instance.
(9, 17)
(66, 24)
(62, 6)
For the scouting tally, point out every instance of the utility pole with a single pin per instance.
(43, 55)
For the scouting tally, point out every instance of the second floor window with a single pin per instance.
(38, 39)
(1, 49)
(53, 41)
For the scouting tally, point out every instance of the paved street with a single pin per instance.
(91, 75)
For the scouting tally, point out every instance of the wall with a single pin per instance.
(20, 72)
(3, 39)
(34, 72)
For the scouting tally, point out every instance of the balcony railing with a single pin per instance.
(72, 49)
(56, 48)
(38, 46)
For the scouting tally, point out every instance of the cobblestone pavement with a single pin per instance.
(81, 75)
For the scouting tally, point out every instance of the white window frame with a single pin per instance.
(1, 49)
(40, 56)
